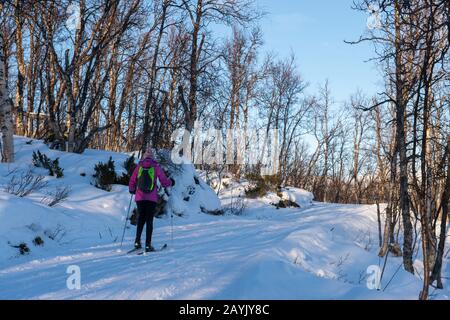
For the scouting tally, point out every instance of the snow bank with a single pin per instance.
(322, 252)
(89, 215)
(301, 197)
(22, 220)
(191, 194)
(232, 194)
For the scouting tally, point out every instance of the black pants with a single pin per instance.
(146, 211)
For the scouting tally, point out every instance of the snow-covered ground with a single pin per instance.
(317, 251)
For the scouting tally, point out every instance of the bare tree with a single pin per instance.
(6, 107)
(412, 45)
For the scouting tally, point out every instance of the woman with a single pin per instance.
(143, 185)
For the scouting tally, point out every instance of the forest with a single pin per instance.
(123, 75)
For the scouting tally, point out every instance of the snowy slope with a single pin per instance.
(317, 251)
(89, 215)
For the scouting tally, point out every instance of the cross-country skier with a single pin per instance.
(143, 185)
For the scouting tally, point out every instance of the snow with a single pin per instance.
(199, 195)
(302, 197)
(316, 251)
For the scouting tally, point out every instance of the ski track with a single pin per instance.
(197, 266)
(207, 260)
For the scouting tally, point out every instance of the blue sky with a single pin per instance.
(315, 30)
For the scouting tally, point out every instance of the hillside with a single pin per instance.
(315, 251)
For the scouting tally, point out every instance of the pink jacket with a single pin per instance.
(159, 174)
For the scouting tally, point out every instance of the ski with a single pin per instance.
(134, 250)
(156, 250)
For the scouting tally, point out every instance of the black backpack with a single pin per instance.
(146, 179)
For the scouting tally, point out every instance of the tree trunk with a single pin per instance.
(191, 114)
(21, 70)
(150, 100)
(6, 117)
(437, 269)
(32, 74)
(401, 146)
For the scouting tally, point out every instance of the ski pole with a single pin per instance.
(126, 220)
(171, 220)
(171, 229)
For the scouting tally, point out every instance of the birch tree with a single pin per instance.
(6, 107)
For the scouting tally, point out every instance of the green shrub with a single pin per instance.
(134, 217)
(261, 185)
(41, 160)
(283, 203)
(129, 165)
(54, 142)
(38, 241)
(23, 248)
(258, 190)
(105, 175)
